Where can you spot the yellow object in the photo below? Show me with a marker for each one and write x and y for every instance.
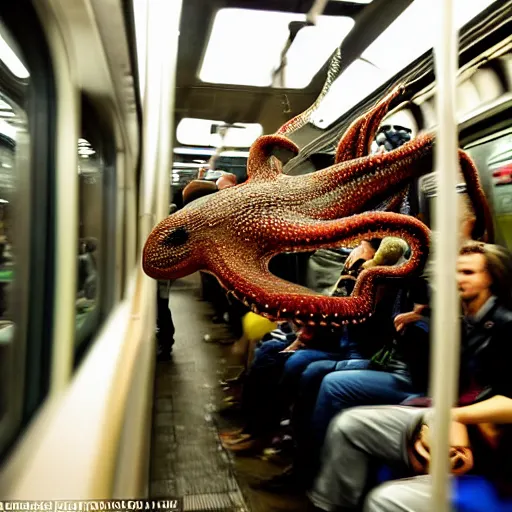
(391, 249)
(256, 326)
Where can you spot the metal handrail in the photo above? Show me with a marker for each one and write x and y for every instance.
(446, 330)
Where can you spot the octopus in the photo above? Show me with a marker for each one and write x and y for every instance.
(234, 233)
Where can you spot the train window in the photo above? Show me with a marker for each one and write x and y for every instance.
(493, 158)
(96, 226)
(90, 206)
(14, 160)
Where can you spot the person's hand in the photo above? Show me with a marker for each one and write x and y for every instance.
(404, 319)
(293, 347)
(363, 251)
(460, 453)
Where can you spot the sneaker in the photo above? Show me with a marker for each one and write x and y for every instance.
(243, 444)
(230, 434)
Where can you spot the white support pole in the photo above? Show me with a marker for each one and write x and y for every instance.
(446, 304)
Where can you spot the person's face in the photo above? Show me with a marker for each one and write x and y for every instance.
(473, 279)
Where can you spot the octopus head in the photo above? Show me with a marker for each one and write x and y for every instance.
(169, 250)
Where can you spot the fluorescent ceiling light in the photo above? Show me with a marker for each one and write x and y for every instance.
(140, 16)
(354, 84)
(11, 60)
(210, 152)
(7, 114)
(194, 151)
(311, 48)
(245, 47)
(413, 33)
(354, 1)
(407, 38)
(198, 132)
(4, 105)
(187, 165)
(7, 129)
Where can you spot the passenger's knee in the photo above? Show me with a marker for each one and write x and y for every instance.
(293, 364)
(346, 423)
(381, 499)
(314, 373)
(330, 384)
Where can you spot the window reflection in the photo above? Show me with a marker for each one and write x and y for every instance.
(14, 155)
(89, 232)
(493, 157)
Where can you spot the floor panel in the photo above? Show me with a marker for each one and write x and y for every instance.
(187, 459)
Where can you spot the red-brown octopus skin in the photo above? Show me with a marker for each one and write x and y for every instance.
(234, 233)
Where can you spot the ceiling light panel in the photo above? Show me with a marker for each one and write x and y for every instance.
(11, 60)
(311, 49)
(209, 152)
(7, 129)
(245, 47)
(411, 35)
(198, 132)
(414, 33)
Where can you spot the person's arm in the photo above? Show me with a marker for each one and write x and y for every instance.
(294, 346)
(403, 319)
(497, 410)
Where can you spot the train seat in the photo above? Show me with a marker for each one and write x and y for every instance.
(471, 493)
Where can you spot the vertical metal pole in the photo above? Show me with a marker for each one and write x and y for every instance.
(446, 304)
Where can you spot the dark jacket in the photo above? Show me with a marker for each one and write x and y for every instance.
(486, 353)
(486, 357)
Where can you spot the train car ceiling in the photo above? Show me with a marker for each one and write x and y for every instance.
(257, 58)
(481, 40)
(398, 46)
(211, 52)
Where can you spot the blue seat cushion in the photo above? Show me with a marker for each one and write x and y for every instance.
(471, 493)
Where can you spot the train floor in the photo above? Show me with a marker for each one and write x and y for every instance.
(187, 459)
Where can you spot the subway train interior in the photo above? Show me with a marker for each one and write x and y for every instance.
(122, 381)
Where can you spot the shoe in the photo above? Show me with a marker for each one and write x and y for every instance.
(236, 439)
(229, 434)
(244, 444)
(285, 482)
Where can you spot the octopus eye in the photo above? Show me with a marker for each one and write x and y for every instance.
(177, 237)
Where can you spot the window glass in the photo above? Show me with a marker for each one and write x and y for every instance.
(14, 157)
(90, 215)
(493, 158)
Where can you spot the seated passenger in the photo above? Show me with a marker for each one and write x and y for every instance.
(358, 437)
(386, 378)
(272, 380)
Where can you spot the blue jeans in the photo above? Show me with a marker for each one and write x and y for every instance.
(273, 379)
(342, 390)
(306, 455)
(300, 361)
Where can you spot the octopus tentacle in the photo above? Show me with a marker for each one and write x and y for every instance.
(371, 177)
(261, 164)
(278, 299)
(484, 227)
(357, 139)
(301, 119)
(235, 232)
